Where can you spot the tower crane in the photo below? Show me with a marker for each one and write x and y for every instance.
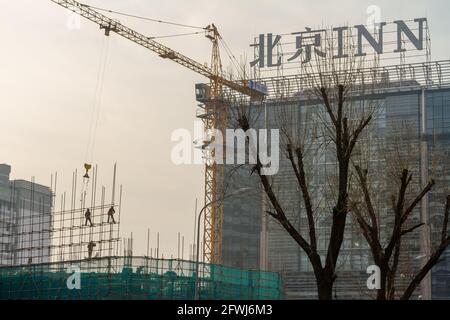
(215, 110)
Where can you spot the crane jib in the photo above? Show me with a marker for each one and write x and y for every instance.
(252, 89)
(111, 25)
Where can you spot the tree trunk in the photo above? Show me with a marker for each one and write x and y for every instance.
(381, 294)
(325, 291)
(324, 288)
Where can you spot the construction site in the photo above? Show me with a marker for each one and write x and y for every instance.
(46, 236)
(69, 245)
(44, 244)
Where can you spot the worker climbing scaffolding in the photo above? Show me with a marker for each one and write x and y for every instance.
(111, 213)
(87, 216)
(91, 246)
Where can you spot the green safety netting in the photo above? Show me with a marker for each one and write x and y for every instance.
(137, 278)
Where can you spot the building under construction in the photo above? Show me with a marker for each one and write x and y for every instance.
(135, 278)
(83, 228)
(47, 249)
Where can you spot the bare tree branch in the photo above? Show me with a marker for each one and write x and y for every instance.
(445, 223)
(401, 217)
(306, 198)
(368, 201)
(433, 260)
(425, 269)
(362, 125)
(405, 232)
(416, 201)
(326, 101)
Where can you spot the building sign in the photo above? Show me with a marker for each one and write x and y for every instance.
(401, 38)
(259, 87)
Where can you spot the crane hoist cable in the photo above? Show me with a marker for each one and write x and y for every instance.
(99, 94)
(240, 69)
(178, 35)
(145, 18)
(113, 25)
(231, 56)
(95, 112)
(92, 133)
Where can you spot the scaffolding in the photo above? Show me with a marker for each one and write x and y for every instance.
(376, 78)
(37, 229)
(135, 278)
(53, 243)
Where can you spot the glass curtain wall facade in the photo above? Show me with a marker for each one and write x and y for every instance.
(411, 129)
(25, 221)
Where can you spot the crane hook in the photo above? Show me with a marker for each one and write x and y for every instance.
(87, 167)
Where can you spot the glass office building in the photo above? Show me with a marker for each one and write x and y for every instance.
(410, 129)
(25, 221)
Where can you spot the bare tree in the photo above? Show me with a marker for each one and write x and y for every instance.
(332, 84)
(387, 256)
(390, 235)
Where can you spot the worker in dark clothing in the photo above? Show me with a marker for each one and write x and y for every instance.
(111, 213)
(91, 246)
(87, 215)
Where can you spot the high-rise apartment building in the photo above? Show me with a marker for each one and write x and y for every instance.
(25, 220)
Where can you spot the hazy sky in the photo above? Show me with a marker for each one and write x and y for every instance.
(49, 74)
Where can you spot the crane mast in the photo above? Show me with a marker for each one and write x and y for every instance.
(215, 109)
(215, 118)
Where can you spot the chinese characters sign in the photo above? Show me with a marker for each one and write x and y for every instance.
(304, 46)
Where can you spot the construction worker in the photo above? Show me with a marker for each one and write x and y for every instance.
(87, 215)
(111, 213)
(91, 246)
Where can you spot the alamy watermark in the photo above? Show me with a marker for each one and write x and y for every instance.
(373, 17)
(236, 147)
(73, 21)
(74, 280)
(374, 280)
